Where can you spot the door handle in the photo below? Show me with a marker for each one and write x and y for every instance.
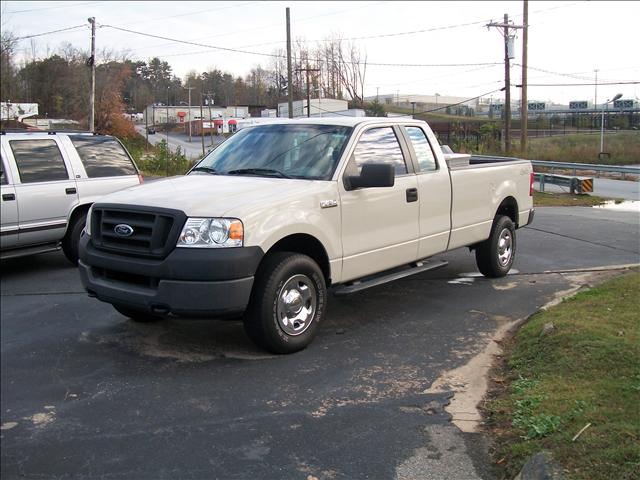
(71, 191)
(7, 197)
(412, 195)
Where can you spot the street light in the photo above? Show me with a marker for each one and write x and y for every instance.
(602, 153)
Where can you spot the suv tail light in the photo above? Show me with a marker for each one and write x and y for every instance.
(532, 179)
(140, 178)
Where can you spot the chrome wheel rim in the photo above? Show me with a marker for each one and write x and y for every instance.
(297, 303)
(505, 247)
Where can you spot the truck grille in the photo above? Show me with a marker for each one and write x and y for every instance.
(145, 232)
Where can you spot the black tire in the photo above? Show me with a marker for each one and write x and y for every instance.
(273, 320)
(71, 241)
(495, 255)
(137, 315)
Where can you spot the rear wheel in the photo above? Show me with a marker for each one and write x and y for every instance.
(137, 315)
(495, 255)
(287, 303)
(71, 241)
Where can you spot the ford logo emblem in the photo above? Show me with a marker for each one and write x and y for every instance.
(123, 230)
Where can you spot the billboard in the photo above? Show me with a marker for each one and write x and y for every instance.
(578, 105)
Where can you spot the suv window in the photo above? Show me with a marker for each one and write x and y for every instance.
(103, 156)
(378, 145)
(39, 161)
(426, 158)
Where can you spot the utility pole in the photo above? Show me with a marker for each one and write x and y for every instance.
(190, 88)
(289, 71)
(524, 111)
(202, 123)
(595, 97)
(506, 27)
(307, 70)
(92, 59)
(210, 117)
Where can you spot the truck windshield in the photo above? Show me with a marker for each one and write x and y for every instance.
(282, 150)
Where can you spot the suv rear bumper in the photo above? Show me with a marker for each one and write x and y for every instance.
(188, 282)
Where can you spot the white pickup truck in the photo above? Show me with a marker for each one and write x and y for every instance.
(270, 219)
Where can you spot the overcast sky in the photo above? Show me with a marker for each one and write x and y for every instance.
(568, 40)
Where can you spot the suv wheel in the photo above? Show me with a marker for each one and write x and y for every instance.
(287, 303)
(71, 241)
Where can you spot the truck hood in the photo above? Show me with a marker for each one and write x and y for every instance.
(212, 195)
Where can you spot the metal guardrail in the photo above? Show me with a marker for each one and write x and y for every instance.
(573, 167)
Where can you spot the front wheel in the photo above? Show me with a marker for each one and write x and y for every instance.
(287, 303)
(495, 255)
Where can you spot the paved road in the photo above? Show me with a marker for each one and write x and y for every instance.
(88, 394)
(193, 149)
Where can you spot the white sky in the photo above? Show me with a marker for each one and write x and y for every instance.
(568, 38)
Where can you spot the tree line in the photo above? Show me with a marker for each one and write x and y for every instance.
(60, 82)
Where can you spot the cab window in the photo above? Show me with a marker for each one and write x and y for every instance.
(378, 145)
(424, 153)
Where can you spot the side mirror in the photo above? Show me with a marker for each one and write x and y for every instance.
(373, 175)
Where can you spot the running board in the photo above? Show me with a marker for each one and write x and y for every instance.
(417, 267)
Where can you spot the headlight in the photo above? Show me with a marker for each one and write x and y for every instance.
(87, 226)
(211, 233)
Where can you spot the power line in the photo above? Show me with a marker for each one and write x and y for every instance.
(579, 84)
(51, 32)
(186, 42)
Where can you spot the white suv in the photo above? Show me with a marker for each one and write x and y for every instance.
(48, 182)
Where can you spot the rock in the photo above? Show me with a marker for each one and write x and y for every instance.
(541, 466)
(548, 329)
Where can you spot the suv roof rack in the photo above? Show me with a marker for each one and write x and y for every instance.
(48, 132)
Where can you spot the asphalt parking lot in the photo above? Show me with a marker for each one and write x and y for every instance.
(88, 394)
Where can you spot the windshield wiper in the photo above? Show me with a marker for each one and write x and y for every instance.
(210, 170)
(258, 171)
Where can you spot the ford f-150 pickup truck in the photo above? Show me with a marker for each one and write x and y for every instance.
(269, 220)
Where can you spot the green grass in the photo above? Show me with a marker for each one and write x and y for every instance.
(624, 148)
(586, 371)
(547, 199)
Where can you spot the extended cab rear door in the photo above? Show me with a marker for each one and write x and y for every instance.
(380, 224)
(434, 189)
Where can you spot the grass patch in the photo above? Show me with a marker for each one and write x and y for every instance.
(624, 148)
(586, 371)
(547, 199)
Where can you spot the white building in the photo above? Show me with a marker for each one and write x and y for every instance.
(320, 107)
(157, 114)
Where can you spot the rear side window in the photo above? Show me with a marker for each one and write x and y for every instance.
(426, 158)
(379, 145)
(103, 156)
(39, 161)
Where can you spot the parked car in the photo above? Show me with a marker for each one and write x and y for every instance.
(270, 219)
(48, 182)
(151, 130)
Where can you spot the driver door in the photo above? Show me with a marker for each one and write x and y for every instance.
(379, 224)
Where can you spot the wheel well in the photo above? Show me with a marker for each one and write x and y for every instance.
(509, 207)
(307, 245)
(77, 212)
